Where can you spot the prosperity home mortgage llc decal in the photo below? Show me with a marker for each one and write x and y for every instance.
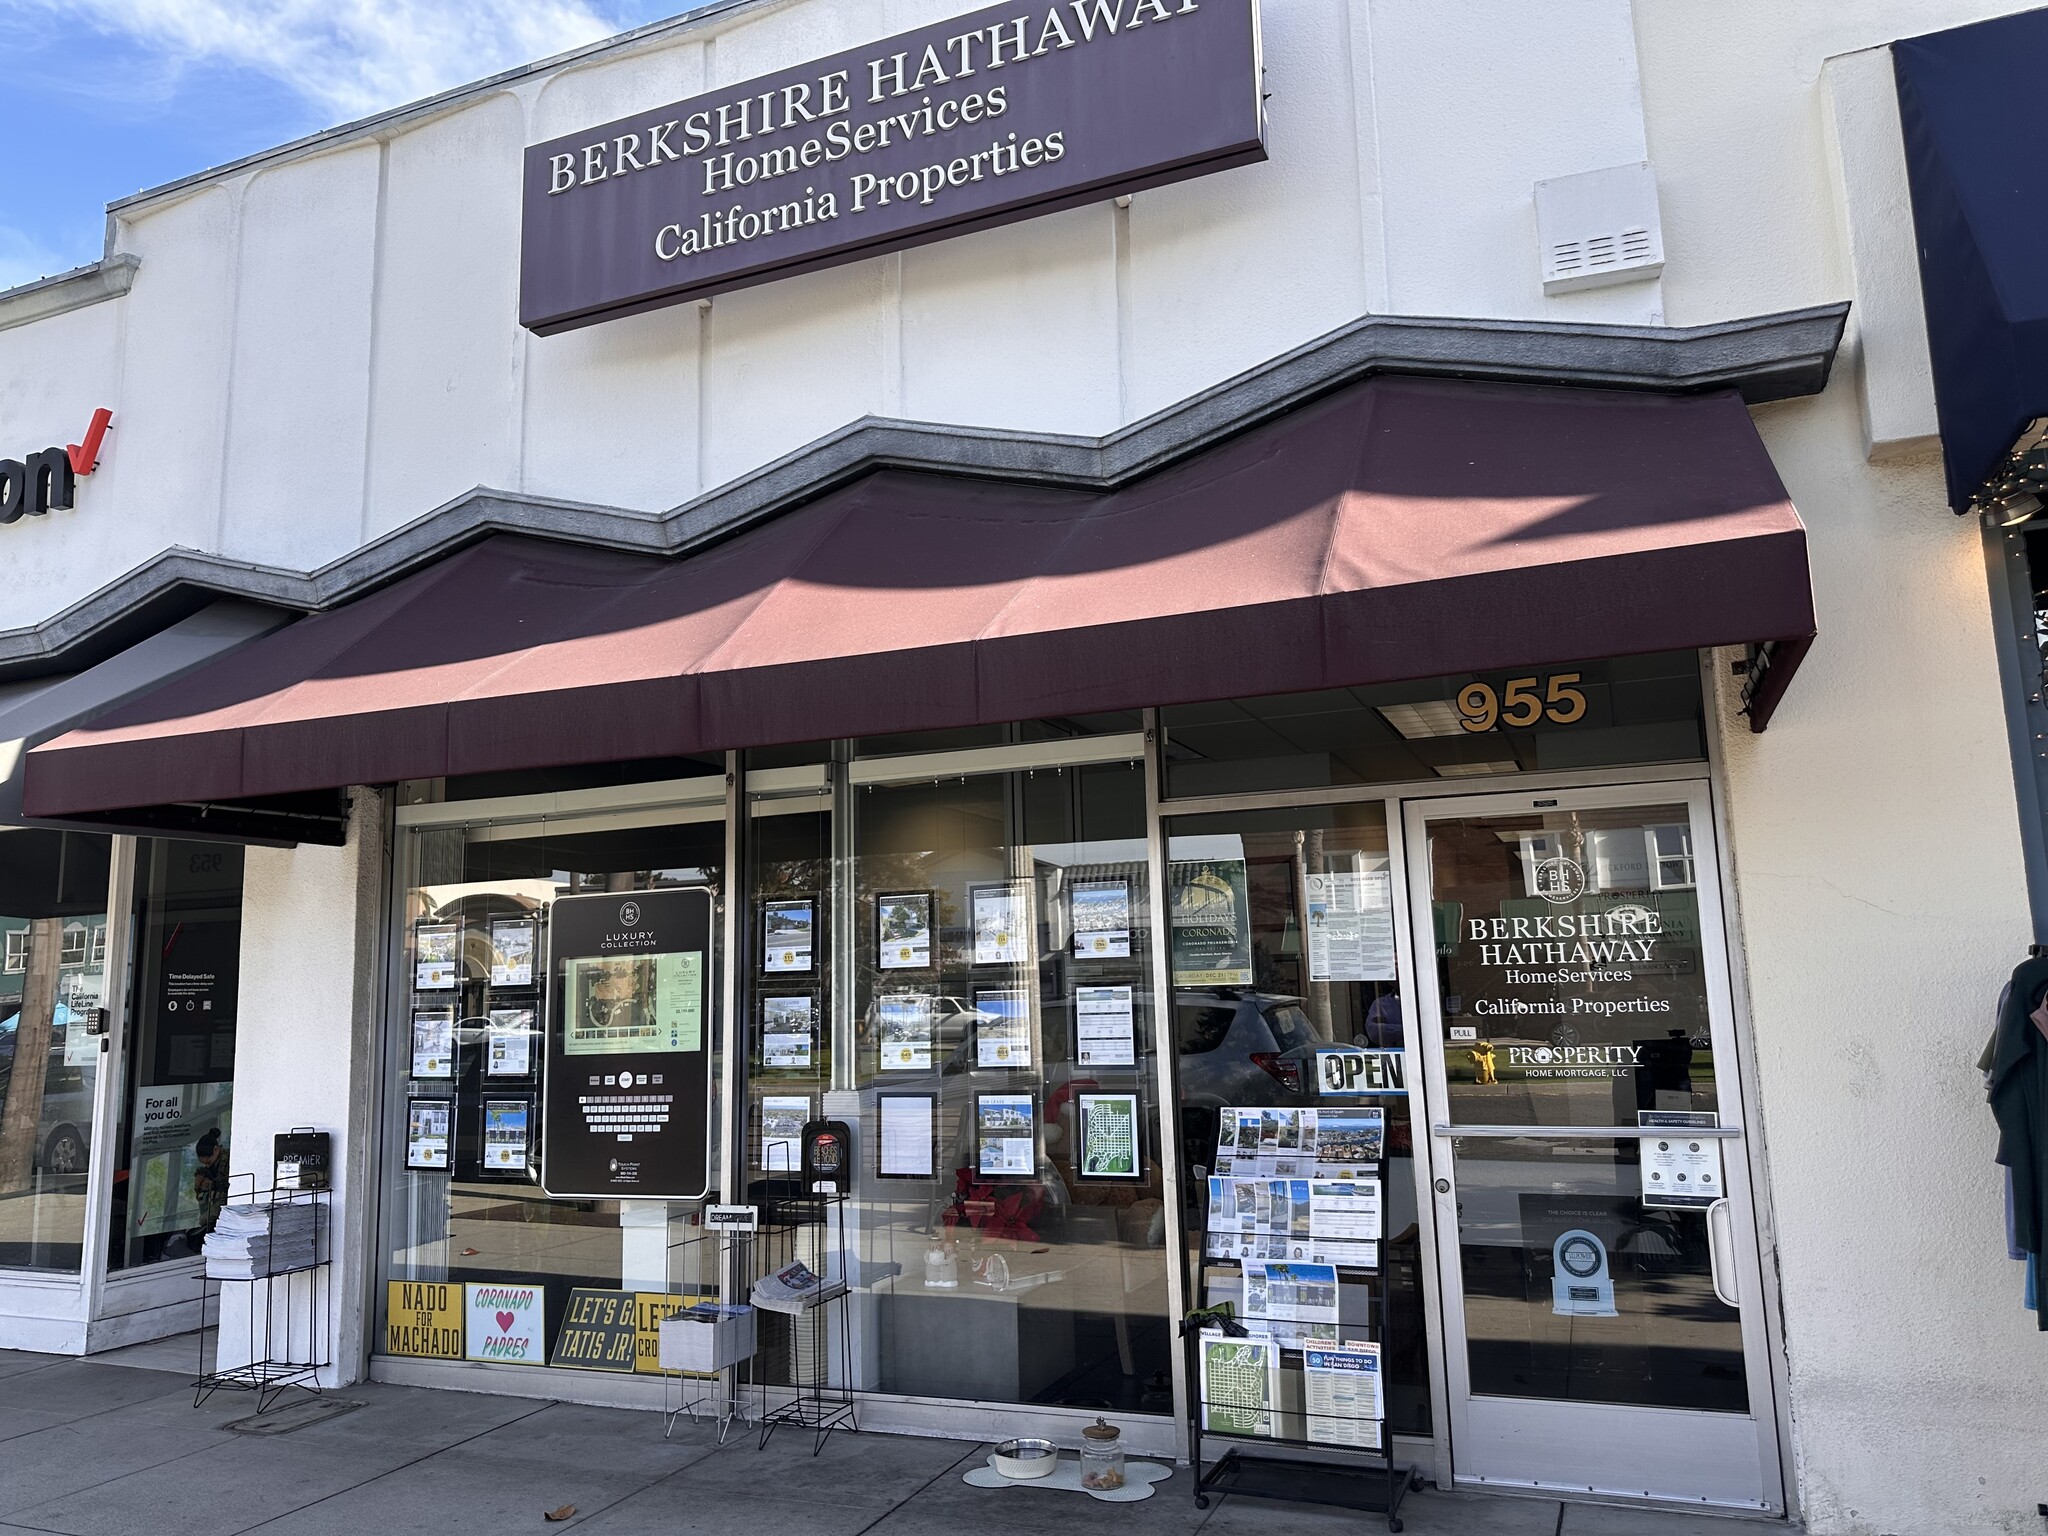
(897, 100)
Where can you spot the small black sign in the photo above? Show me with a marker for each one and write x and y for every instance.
(828, 1157)
(301, 1157)
(628, 1098)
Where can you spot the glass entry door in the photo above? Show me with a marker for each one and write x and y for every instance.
(1603, 1319)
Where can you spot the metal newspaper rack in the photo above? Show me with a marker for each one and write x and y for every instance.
(1344, 1475)
(286, 1307)
(790, 1355)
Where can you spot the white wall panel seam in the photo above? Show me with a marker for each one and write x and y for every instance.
(377, 255)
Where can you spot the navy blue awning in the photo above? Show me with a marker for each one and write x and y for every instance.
(1970, 104)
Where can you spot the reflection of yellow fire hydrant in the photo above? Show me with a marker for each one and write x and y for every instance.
(1482, 1058)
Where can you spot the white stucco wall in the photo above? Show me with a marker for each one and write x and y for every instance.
(323, 348)
(1882, 901)
(304, 1051)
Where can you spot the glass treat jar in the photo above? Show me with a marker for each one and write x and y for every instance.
(1102, 1456)
(941, 1267)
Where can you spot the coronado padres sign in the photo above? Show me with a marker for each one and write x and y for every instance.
(991, 117)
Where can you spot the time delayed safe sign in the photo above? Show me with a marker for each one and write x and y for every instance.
(990, 117)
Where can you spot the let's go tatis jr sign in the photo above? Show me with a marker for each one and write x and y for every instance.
(999, 115)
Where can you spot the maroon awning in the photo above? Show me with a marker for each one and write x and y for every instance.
(1400, 528)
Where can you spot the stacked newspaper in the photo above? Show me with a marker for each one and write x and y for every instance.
(793, 1288)
(252, 1241)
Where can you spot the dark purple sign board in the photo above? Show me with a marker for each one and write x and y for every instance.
(995, 116)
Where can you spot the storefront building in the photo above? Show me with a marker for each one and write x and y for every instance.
(1030, 581)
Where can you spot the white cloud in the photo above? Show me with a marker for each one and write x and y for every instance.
(351, 57)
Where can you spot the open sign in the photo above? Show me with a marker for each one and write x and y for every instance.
(1341, 1070)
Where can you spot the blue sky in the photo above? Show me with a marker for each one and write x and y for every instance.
(106, 97)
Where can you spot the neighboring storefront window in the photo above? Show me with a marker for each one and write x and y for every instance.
(53, 910)
(1589, 714)
(177, 1114)
(1011, 1207)
(482, 1264)
(1284, 948)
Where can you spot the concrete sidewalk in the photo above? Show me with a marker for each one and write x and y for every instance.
(90, 1449)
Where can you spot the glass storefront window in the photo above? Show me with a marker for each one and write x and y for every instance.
(481, 1263)
(1570, 966)
(1540, 919)
(177, 1114)
(1631, 709)
(1009, 1201)
(1284, 944)
(790, 952)
(53, 911)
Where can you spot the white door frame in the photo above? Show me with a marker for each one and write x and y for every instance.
(1735, 1460)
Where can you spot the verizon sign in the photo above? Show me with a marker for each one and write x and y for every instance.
(995, 116)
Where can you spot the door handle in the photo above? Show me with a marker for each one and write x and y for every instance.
(1721, 1251)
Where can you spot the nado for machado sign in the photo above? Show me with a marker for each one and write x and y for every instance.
(999, 115)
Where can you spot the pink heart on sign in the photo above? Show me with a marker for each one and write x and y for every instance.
(505, 1322)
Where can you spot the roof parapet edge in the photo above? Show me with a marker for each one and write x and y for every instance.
(108, 278)
(1764, 358)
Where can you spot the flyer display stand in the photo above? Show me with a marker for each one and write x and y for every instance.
(274, 1245)
(817, 1316)
(722, 1391)
(781, 1293)
(1285, 1401)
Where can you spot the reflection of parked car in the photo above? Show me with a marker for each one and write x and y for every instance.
(65, 1132)
(952, 1024)
(1244, 1048)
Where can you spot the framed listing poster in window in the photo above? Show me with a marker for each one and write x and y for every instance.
(1099, 912)
(515, 943)
(903, 1031)
(789, 1032)
(429, 1135)
(626, 1101)
(508, 1138)
(1002, 1027)
(783, 1118)
(436, 957)
(908, 1144)
(1005, 1135)
(1109, 1134)
(903, 931)
(509, 1044)
(789, 936)
(433, 1042)
(1002, 923)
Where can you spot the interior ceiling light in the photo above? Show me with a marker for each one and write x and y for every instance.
(2012, 493)
(1474, 770)
(1419, 722)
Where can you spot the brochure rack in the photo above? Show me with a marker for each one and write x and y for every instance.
(814, 1404)
(1254, 1465)
(737, 1393)
(286, 1308)
(742, 1393)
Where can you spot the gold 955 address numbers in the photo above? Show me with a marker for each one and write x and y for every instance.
(1521, 702)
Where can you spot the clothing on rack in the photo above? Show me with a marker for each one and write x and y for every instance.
(2017, 1086)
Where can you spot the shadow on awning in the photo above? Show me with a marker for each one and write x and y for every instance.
(1399, 528)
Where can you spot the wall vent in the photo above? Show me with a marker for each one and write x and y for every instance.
(1599, 227)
